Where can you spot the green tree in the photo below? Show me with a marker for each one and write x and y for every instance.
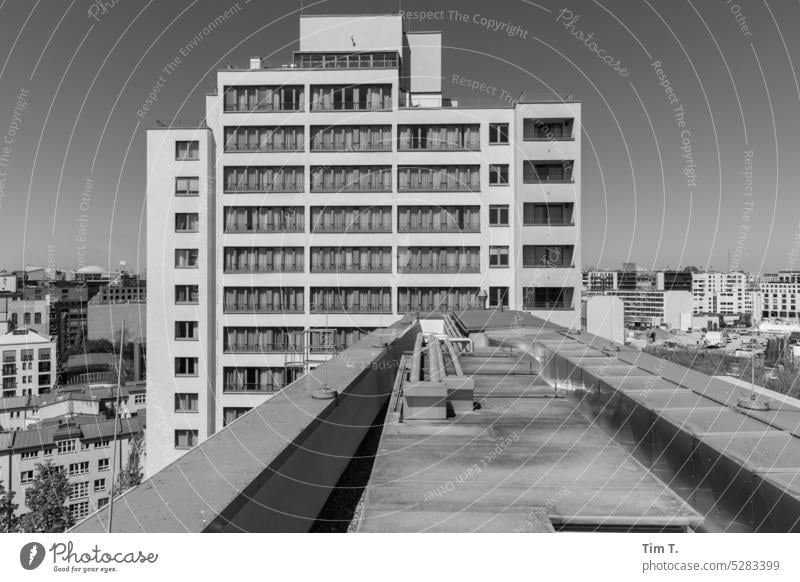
(8, 517)
(132, 474)
(46, 499)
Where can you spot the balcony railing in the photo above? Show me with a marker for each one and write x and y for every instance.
(349, 106)
(250, 387)
(261, 108)
(441, 147)
(263, 309)
(352, 309)
(9, 370)
(381, 147)
(351, 269)
(244, 228)
(261, 349)
(265, 269)
(571, 223)
(351, 229)
(550, 305)
(262, 149)
(263, 190)
(548, 265)
(435, 270)
(350, 188)
(439, 228)
(439, 188)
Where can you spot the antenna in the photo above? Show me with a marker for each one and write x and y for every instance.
(116, 426)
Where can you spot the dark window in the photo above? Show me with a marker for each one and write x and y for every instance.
(498, 175)
(498, 296)
(498, 215)
(498, 256)
(187, 150)
(498, 133)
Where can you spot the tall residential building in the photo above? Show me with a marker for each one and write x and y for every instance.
(332, 195)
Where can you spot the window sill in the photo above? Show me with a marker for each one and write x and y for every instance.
(186, 375)
(187, 412)
(499, 267)
(550, 224)
(544, 139)
(499, 225)
(499, 143)
(187, 339)
(498, 185)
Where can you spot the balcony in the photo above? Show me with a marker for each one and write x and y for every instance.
(351, 188)
(248, 388)
(264, 269)
(442, 270)
(378, 147)
(351, 269)
(259, 189)
(249, 228)
(439, 188)
(262, 149)
(350, 229)
(369, 309)
(450, 228)
(280, 348)
(233, 309)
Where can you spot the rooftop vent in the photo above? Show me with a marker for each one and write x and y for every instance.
(255, 62)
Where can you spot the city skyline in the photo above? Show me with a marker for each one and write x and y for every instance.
(77, 82)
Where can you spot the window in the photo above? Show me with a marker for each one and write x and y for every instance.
(44, 380)
(185, 330)
(186, 366)
(29, 454)
(26, 477)
(79, 490)
(498, 215)
(351, 97)
(139, 398)
(47, 452)
(187, 150)
(498, 296)
(85, 446)
(37, 318)
(186, 258)
(185, 439)
(498, 174)
(102, 502)
(498, 256)
(26, 355)
(187, 222)
(187, 402)
(498, 133)
(79, 468)
(102, 465)
(535, 214)
(187, 294)
(187, 186)
(99, 485)
(79, 510)
(229, 414)
(65, 446)
(264, 98)
(102, 444)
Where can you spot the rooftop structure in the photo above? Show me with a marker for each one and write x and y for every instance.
(543, 429)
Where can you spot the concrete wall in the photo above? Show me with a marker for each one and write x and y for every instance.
(604, 317)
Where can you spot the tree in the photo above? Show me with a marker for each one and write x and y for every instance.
(46, 499)
(8, 517)
(132, 474)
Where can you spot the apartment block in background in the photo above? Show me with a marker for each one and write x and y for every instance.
(330, 196)
(28, 363)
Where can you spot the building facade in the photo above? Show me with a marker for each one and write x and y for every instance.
(329, 197)
(723, 293)
(28, 363)
(780, 295)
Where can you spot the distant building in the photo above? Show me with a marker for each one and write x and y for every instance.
(17, 312)
(780, 295)
(28, 363)
(677, 281)
(113, 304)
(652, 308)
(723, 293)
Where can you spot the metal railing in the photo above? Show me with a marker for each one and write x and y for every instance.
(439, 228)
(262, 309)
(265, 269)
(351, 229)
(351, 269)
(234, 148)
(445, 269)
(263, 189)
(250, 387)
(241, 228)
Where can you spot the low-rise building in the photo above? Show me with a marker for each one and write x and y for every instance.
(82, 447)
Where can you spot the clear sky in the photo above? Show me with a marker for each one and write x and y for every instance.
(660, 187)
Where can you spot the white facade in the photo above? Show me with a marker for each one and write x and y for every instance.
(779, 295)
(28, 363)
(345, 208)
(722, 293)
(647, 308)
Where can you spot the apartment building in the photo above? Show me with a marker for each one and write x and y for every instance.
(19, 312)
(653, 308)
(779, 293)
(28, 363)
(330, 196)
(723, 293)
(82, 447)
